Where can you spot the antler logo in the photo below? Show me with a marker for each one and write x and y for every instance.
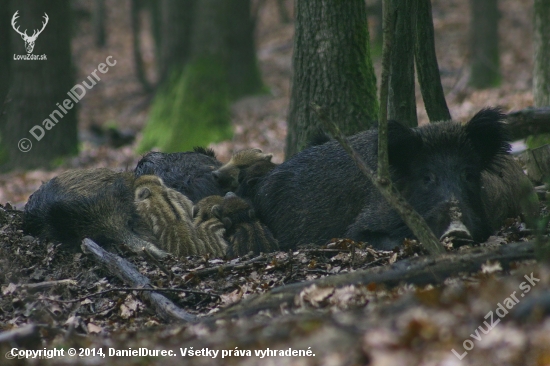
(29, 41)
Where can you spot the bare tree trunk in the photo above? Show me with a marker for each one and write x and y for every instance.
(484, 44)
(175, 39)
(192, 106)
(426, 65)
(388, 19)
(332, 68)
(155, 16)
(5, 50)
(39, 87)
(99, 23)
(541, 74)
(283, 12)
(136, 46)
(402, 102)
(243, 73)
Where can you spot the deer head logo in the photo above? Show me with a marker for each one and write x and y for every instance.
(29, 40)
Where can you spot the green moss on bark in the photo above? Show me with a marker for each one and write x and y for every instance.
(202, 116)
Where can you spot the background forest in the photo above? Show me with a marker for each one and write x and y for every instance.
(168, 75)
(130, 96)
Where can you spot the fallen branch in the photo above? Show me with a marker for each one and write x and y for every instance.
(528, 121)
(130, 289)
(418, 271)
(129, 274)
(220, 269)
(46, 284)
(18, 334)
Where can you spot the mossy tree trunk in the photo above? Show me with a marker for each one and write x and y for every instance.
(175, 36)
(38, 86)
(155, 16)
(402, 101)
(426, 65)
(135, 7)
(332, 68)
(5, 34)
(484, 51)
(191, 108)
(541, 74)
(243, 72)
(98, 19)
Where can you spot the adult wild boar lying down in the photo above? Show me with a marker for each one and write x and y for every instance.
(440, 168)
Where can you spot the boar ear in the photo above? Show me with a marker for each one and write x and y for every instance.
(403, 144)
(227, 222)
(195, 211)
(489, 135)
(143, 193)
(216, 211)
(267, 157)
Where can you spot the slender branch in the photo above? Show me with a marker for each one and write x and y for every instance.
(426, 65)
(388, 17)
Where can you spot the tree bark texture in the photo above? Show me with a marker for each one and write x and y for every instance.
(175, 39)
(155, 14)
(243, 73)
(136, 45)
(5, 34)
(98, 20)
(484, 44)
(388, 16)
(332, 68)
(210, 30)
(426, 65)
(402, 101)
(284, 17)
(541, 73)
(37, 86)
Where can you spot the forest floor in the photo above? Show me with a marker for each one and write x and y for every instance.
(357, 324)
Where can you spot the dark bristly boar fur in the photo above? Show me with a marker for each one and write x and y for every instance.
(320, 194)
(89, 203)
(209, 228)
(244, 232)
(227, 176)
(168, 214)
(189, 173)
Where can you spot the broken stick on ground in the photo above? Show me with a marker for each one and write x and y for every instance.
(129, 274)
